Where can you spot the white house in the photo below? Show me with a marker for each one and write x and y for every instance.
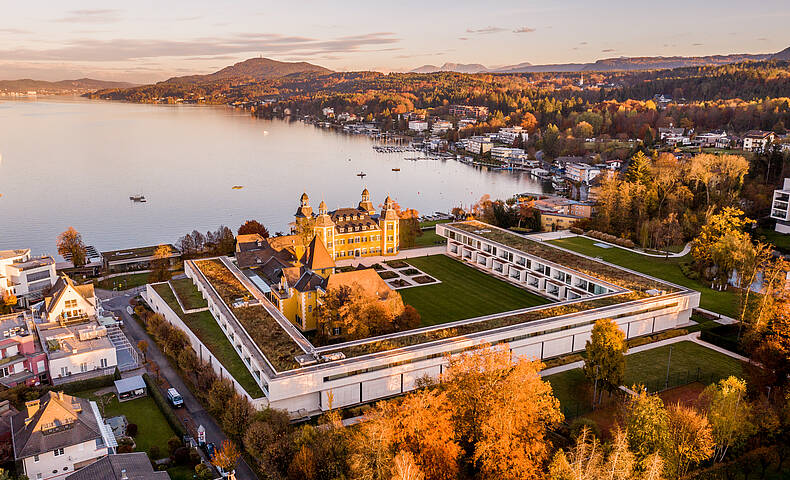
(506, 153)
(508, 135)
(709, 139)
(757, 140)
(479, 145)
(581, 172)
(328, 112)
(441, 126)
(24, 276)
(780, 208)
(58, 434)
(73, 339)
(418, 125)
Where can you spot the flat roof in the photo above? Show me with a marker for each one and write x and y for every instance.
(138, 252)
(130, 384)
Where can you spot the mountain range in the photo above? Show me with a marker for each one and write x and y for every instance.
(608, 64)
(81, 85)
(254, 69)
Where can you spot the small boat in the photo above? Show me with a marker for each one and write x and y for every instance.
(361, 174)
(396, 169)
(237, 187)
(137, 198)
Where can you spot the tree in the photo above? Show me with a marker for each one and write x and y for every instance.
(529, 122)
(161, 264)
(604, 358)
(583, 130)
(358, 314)
(646, 422)
(235, 417)
(502, 412)
(142, 345)
(665, 178)
(226, 456)
(305, 229)
(252, 227)
(188, 361)
(689, 439)
(408, 319)
(729, 414)
(550, 141)
(70, 245)
(638, 169)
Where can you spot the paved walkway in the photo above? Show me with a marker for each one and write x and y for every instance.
(410, 253)
(691, 337)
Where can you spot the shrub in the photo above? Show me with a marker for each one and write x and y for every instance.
(203, 472)
(688, 270)
(577, 230)
(194, 456)
(154, 453)
(173, 444)
(131, 429)
(125, 445)
(181, 456)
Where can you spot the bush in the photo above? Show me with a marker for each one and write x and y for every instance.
(154, 453)
(131, 429)
(675, 332)
(688, 270)
(563, 360)
(581, 422)
(577, 230)
(88, 384)
(723, 337)
(125, 445)
(203, 472)
(194, 456)
(174, 422)
(181, 455)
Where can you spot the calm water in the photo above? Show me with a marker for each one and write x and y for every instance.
(73, 162)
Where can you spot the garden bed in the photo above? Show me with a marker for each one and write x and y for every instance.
(388, 275)
(399, 283)
(411, 272)
(397, 264)
(423, 279)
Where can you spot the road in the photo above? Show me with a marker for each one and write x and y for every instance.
(199, 415)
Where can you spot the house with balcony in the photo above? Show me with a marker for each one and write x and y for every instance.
(22, 359)
(780, 207)
(58, 434)
(25, 276)
(479, 145)
(581, 172)
(76, 343)
(757, 140)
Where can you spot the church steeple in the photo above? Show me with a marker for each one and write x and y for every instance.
(366, 205)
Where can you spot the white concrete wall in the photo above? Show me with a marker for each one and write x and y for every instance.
(62, 465)
(92, 358)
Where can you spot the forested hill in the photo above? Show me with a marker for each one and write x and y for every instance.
(254, 69)
(63, 86)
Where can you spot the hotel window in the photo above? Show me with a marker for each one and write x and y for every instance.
(58, 452)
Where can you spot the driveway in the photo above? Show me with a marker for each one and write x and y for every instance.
(196, 413)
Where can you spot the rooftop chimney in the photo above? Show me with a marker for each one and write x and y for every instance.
(123, 474)
(32, 407)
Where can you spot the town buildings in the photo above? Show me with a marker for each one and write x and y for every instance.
(478, 144)
(581, 172)
(468, 111)
(757, 140)
(305, 379)
(22, 358)
(418, 125)
(58, 434)
(509, 135)
(25, 276)
(140, 258)
(440, 126)
(122, 466)
(780, 207)
(709, 139)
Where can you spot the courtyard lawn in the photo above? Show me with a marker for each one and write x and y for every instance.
(649, 368)
(188, 294)
(667, 269)
(429, 238)
(152, 427)
(463, 293)
(123, 282)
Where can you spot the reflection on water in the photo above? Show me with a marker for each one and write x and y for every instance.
(73, 162)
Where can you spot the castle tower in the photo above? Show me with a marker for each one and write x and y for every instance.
(366, 205)
(304, 210)
(325, 228)
(389, 223)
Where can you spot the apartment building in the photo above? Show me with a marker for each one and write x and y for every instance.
(25, 276)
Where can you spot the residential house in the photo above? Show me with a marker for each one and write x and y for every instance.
(709, 139)
(479, 145)
(581, 172)
(780, 207)
(466, 122)
(471, 111)
(121, 466)
(25, 276)
(757, 140)
(76, 343)
(328, 112)
(558, 213)
(509, 135)
(664, 132)
(725, 142)
(418, 125)
(22, 358)
(441, 126)
(58, 434)
(505, 154)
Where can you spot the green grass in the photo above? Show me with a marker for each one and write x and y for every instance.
(152, 427)
(649, 368)
(779, 240)
(463, 293)
(429, 238)
(123, 282)
(667, 269)
(181, 472)
(433, 223)
(189, 295)
(208, 331)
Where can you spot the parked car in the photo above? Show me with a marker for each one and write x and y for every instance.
(174, 398)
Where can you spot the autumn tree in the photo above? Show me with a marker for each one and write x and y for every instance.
(729, 414)
(360, 314)
(70, 246)
(529, 122)
(160, 265)
(646, 421)
(142, 345)
(604, 359)
(714, 249)
(251, 227)
(226, 456)
(689, 439)
(502, 411)
(638, 170)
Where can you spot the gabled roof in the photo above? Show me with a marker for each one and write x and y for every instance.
(60, 421)
(135, 466)
(62, 285)
(317, 257)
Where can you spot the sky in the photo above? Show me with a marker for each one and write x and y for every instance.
(147, 41)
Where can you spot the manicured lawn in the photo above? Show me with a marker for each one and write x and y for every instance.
(779, 240)
(429, 238)
(433, 223)
(463, 293)
(123, 282)
(649, 368)
(188, 294)
(668, 269)
(209, 332)
(152, 427)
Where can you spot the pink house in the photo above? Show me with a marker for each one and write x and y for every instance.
(22, 359)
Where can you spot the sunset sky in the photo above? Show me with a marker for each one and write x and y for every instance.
(146, 41)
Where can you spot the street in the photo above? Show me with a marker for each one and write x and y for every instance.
(195, 410)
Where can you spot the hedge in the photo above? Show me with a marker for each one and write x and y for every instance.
(714, 336)
(164, 406)
(89, 383)
(607, 237)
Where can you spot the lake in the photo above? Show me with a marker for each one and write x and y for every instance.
(74, 162)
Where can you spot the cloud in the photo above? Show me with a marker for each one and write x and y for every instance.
(486, 30)
(523, 30)
(607, 50)
(99, 15)
(123, 49)
(15, 31)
